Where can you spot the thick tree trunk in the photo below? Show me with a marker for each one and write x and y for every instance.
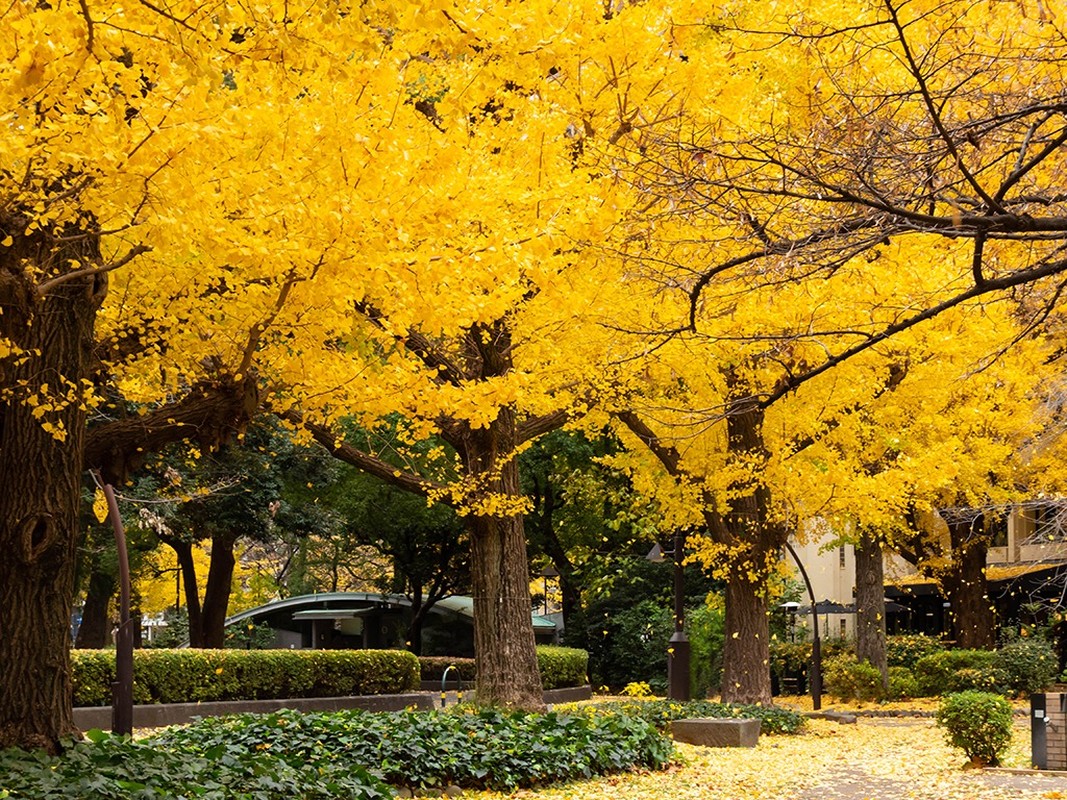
(756, 545)
(505, 656)
(746, 672)
(217, 591)
(870, 603)
(95, 629)
(966, 589)
(40, 472)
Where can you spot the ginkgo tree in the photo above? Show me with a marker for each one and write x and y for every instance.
(337, 211)
(836, 132)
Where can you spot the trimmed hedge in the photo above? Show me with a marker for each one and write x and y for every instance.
(562, 666)
(189, 676)
(432, 668)
(905, 650)
(955, 671)
(773, 719)
(559, 666)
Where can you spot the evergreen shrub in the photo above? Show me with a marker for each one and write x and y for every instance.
(1026, 666)
(189, 676)
(979, 723)
(936, 673)
(849, 679)
(905, 650)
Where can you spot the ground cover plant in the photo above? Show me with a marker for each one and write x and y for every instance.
(488, 748)
(773, 719)
(105, 767)
(349, 755)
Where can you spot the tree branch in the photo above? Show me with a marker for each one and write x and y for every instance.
(339, 449)
(59, 280)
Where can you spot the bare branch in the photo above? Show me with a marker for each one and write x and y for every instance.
(59, 280)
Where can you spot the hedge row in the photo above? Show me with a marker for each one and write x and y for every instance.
(189, 676)
(560, 667)
(1019, 668)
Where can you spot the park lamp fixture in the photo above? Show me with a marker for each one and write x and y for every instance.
(548, 572)
(678, 650)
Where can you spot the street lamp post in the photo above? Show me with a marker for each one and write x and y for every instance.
(548, 572)
(816, 644)
(678, 651)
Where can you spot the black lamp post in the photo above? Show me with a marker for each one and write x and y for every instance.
(678, 650)
(548, 572)
(816, 644)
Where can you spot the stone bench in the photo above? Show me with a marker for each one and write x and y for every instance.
(716, 732)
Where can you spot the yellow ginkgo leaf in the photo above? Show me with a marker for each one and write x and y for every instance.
(100, 505)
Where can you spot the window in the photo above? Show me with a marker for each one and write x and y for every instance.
(1044, 522)
(841, 557)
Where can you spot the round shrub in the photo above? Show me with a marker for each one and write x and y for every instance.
(935, 673)
(979, 723)
(848, 679)
(902, 684)
(907, 649)
(1026, 666)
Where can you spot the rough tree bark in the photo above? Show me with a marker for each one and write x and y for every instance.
(504, 651)
(40, 472)
(870, 603)
(747, 529)
(965, 587)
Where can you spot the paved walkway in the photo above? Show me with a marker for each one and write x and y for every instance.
(902, 779)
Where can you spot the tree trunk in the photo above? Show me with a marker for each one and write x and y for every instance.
(966, 589)
(419, 610)
(746, 673)
(870, 604)
(217, 592)
(756, 545)
(505, 657)
(40, 471)
(95, 629)
(183, 550)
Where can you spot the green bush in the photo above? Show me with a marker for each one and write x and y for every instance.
(907, 649)
(189, 676)
(773, 719)
(559, 666)
(936, 673)
(978, 679)
(979, 723)
(902, 684)
(486, 749)
(849, 679)
(432, 668)
(1026, 666)
(562, 666)
(630, 645)
(707, 631)
(114, 768)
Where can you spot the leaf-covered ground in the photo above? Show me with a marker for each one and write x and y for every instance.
(875, 759)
